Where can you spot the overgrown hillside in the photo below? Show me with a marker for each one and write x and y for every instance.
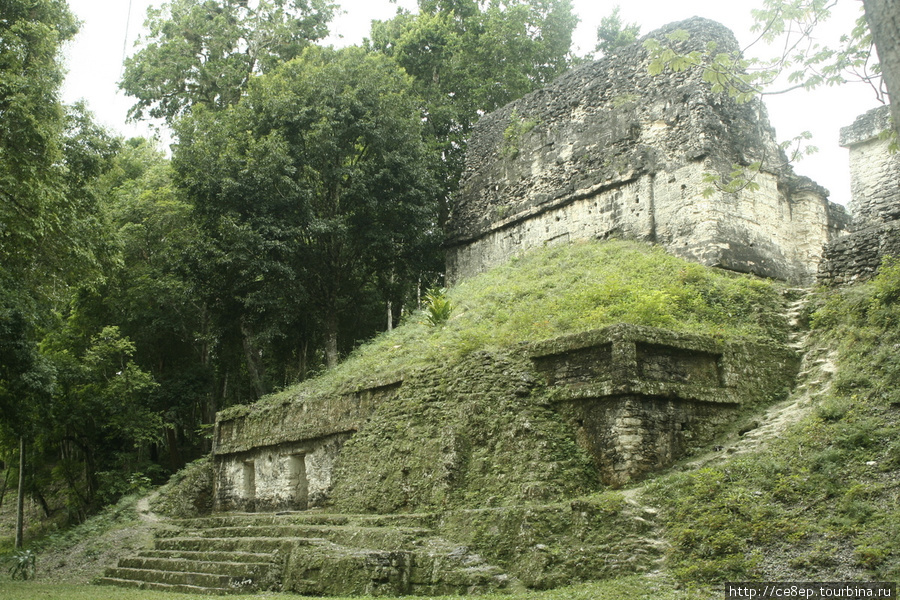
(817, 498)
(821, 501)
(562, 290)
(473, 425)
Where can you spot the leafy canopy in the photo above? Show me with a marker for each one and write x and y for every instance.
(312, 187)
(803, 61)
(205, 51)
(612, 33)
(469, 57)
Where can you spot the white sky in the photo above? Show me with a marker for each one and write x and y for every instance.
(110, 28)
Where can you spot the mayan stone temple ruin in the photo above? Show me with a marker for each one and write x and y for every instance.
(609, 150)
(334, 493)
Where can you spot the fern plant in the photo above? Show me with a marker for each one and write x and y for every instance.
(437, 306)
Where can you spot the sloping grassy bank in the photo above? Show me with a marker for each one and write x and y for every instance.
(822, 502)
(562, 290)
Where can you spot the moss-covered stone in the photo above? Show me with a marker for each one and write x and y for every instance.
(474, 433)
(189, 492)
(546, 546)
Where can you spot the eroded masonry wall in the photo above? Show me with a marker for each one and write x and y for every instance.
(874, 202)
(638, 398)
(281, 455)
(291, 476)
(540, 422)
(609, 150)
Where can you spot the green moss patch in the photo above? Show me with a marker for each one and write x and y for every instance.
(593, 537)
(477, 432)
(188, 493)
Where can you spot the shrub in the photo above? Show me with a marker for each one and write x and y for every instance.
(23, 563)
(437, 307)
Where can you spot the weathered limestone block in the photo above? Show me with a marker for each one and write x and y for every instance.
(291, 419)
(330, 569)
(874, 169)
(609, 150)
(289, 476)
(874, 203)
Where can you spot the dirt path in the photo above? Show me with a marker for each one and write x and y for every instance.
(88, 558)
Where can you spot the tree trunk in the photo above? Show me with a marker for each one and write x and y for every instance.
(5, 485)
(302, 365)
(175, 461)
(883, 17)
(331, 339)
(45, 506)
(254, 365)
(20, 500)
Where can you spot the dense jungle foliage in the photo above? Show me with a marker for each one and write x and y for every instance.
(299, 213)
(299, 216)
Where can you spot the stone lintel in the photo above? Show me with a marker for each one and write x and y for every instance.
(634, 360)
(607, 390)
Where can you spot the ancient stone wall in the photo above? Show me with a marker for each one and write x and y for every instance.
(638, 397)
(293, 476)
(281, 455)
(609, 150)
(874, 203)
(874, 169)
(534, 423)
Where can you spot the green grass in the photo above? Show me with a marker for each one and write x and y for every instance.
(630, 588)
(564, 290)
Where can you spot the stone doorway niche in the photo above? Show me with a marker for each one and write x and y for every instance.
(297, 481)
(249, 483)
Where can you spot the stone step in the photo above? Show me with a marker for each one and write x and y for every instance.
(307, 553)
(190, 555)
(233, 544)
(204, 580)
(436, 568)
(364, 537)
(244, 570)
(414, 520)
(166, 587)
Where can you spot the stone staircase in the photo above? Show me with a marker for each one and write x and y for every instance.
(307, 553)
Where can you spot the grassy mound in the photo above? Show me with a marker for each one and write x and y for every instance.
(561, 290)
(472, 425)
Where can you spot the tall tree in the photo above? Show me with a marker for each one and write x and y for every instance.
(612, 33)
(99, 418)
(149, 295)
(883, 18)
(311, 187)
(34, 211)
(468, 57)
(205, 51)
